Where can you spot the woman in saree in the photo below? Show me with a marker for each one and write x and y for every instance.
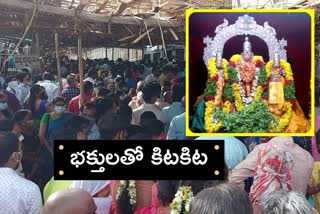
(51, 124)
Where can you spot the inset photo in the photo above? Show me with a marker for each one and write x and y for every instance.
(250, 72)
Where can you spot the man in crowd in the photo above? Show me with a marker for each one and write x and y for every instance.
(18, 195)
(51, 88)
(72, 90)
(74, 105)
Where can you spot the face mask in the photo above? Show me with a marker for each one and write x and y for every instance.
(103, 204)
(3, 106)
(13, 84)
(59, 109)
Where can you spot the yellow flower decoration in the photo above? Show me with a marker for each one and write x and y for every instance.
(287, 69)
(284, 65)
(237, 96)
(235, 58)
(258, 93)
(212, 68)
(284, 119)
(225, 63)
(257, 58)
(226, 107)
(268, 68)
(209, 125)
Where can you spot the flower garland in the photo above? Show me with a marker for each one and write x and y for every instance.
(237, 96)
(284, 120)
(209, 124)
(131, 188)
(181, 202)
(212, 68)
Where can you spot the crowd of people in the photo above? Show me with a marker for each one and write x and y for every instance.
(137, 101)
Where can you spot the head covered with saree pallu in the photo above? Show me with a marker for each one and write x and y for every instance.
(273, 172)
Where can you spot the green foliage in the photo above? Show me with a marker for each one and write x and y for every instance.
(263, 76)
(254, 118)
(289, 91)
(232, 74)
(227, 92)
(210, 89)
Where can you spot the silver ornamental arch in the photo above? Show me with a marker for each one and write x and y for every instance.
(245, 25)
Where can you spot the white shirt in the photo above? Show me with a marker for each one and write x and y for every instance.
(151, 78)
(51, 89)
(18, 195)
(146, 107)
(25, 89)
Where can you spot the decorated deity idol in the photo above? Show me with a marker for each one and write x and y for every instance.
(247, 95)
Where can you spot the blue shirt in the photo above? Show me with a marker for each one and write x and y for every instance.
(177, 129)
(171, 111)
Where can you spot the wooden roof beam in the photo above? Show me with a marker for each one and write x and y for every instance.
(88, 16)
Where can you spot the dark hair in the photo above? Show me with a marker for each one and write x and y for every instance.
(224, 198)
(178, 91)
(153, 127)
(6, 125)
(20, 115)
(31, 100)
(58, 99)
(9, 143)
(21, 76)
(103, 105)
(88, 105)
(72, 126)
(125, 100)
(102, 92)
(147, 115)
(151, 90)
(92, 73)
(167, 190)
(111, 125)
(71, 79)
(125, 113)
(47, 76)
(88, 86)
(123, 202)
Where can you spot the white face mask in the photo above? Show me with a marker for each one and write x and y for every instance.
(59, 109)
(13, 84)
(103, 204)
(3, 106)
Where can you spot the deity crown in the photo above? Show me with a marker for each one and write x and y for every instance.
(246, 44)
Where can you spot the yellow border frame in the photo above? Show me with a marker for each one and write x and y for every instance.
(310, 12)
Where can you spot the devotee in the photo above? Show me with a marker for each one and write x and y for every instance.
(151, 91)
(51, 123)
(5, 112)
(224, 198)
(290, 162)
(30, 143)
(74, 128)
(154, 76)
(13, 102)
(280, 202)
(147, 115)
(177, 105)
(177, 128)
(24, 85)
(74, 103)
(70, 201)
(155, 128)
(92, 75)
(137, 101)
(89, 112)
(12, 86)
(72, 90)
(100, 192)
(18, 195)
(37, 102)
(52, 89)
